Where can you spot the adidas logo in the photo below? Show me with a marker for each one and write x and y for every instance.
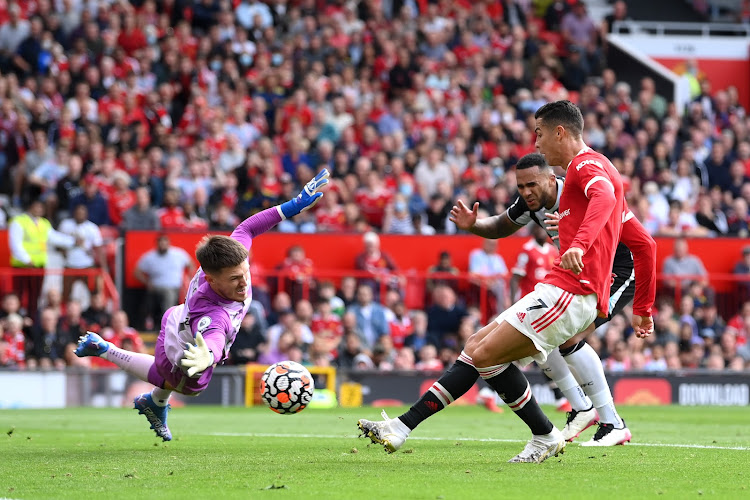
(431, 405)
(521, 316)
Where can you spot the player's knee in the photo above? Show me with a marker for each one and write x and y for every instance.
(482, 357)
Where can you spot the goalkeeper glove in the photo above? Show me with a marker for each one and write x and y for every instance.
(197, 357)
(308, 197)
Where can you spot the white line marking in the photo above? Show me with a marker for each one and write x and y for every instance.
(481, 440)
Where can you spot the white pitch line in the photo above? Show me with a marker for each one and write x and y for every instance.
(481, 440)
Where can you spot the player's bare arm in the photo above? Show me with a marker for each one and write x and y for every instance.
(497, 226)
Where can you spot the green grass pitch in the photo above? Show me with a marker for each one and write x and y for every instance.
(461, 453)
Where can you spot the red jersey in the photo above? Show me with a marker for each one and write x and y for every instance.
(330, 323)
(333, 220)
(533, 264)
(119, 203)
(171, 218)
(400, 329)
(15, 351)
(372, 204)
(592, 208)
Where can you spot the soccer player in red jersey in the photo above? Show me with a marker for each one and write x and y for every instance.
(563, 307)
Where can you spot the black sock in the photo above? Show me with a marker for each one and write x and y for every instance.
(513, 387)
(451, 385)
(558, 393)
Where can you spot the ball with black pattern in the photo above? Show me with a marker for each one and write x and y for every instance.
(286, 387)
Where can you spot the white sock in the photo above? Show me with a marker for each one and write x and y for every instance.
(558, 370)
(134, 363)
(587, 369)
(160, 396)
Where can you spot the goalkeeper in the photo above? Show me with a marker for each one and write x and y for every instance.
(196, 336)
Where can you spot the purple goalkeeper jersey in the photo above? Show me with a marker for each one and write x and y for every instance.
(204, 311)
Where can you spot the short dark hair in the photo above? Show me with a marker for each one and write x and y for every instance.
(532, 160)
(563, 113)
(216, 252)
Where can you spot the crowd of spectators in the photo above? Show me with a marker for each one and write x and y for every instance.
(178, 114)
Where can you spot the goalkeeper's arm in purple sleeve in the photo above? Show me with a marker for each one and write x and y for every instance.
(308, 197)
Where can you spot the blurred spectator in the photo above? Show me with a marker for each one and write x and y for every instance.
(372, 318)
(11, 304)
(296, 273)
(404, 359)
(444, 316)
(71, 326)
(420, 334)
(47, 347)
(121, 199)
(619, 359)
(397, 218)
(142, 216)
(288, 322)
(162, 270)
(428, 359)
(326, 326)
(443, 266)
(97, 315)
(379, 265)
(489, 272)
(437, 213)
(327, 291)
(683, 265)
(94, 201)
(347, 291)
(400, 325)
(29, 236)
(120, 331)
(535, 260)
(350, 348)
(285, 348)
(249, 342)
(13, 343)
(88, 252)
(280, 305)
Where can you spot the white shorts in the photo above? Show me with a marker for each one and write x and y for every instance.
(549, 316)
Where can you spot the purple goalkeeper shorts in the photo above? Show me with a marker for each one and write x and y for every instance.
(163, 371)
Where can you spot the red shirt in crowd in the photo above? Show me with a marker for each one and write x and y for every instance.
(372, 204)
(533, 264)
(171, 217)
(119, 203)
(330, 220)
(14, 353)
(400, 329)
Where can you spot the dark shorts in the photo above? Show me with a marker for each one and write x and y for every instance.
(621, 292)
(164, 372)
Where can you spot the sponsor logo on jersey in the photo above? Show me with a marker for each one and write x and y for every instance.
(564, 213)
(521, 316)
(589, 162)
(203, 323)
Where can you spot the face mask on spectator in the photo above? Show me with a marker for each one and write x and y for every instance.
(406, 189)
(215, 65)
(400, 206)
(277, 59)
(246, 59)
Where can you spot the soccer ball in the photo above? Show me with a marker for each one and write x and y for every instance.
(286, 387)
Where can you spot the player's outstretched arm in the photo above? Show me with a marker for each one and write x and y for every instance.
(643, 248)
(497, 226)
(261, 222)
